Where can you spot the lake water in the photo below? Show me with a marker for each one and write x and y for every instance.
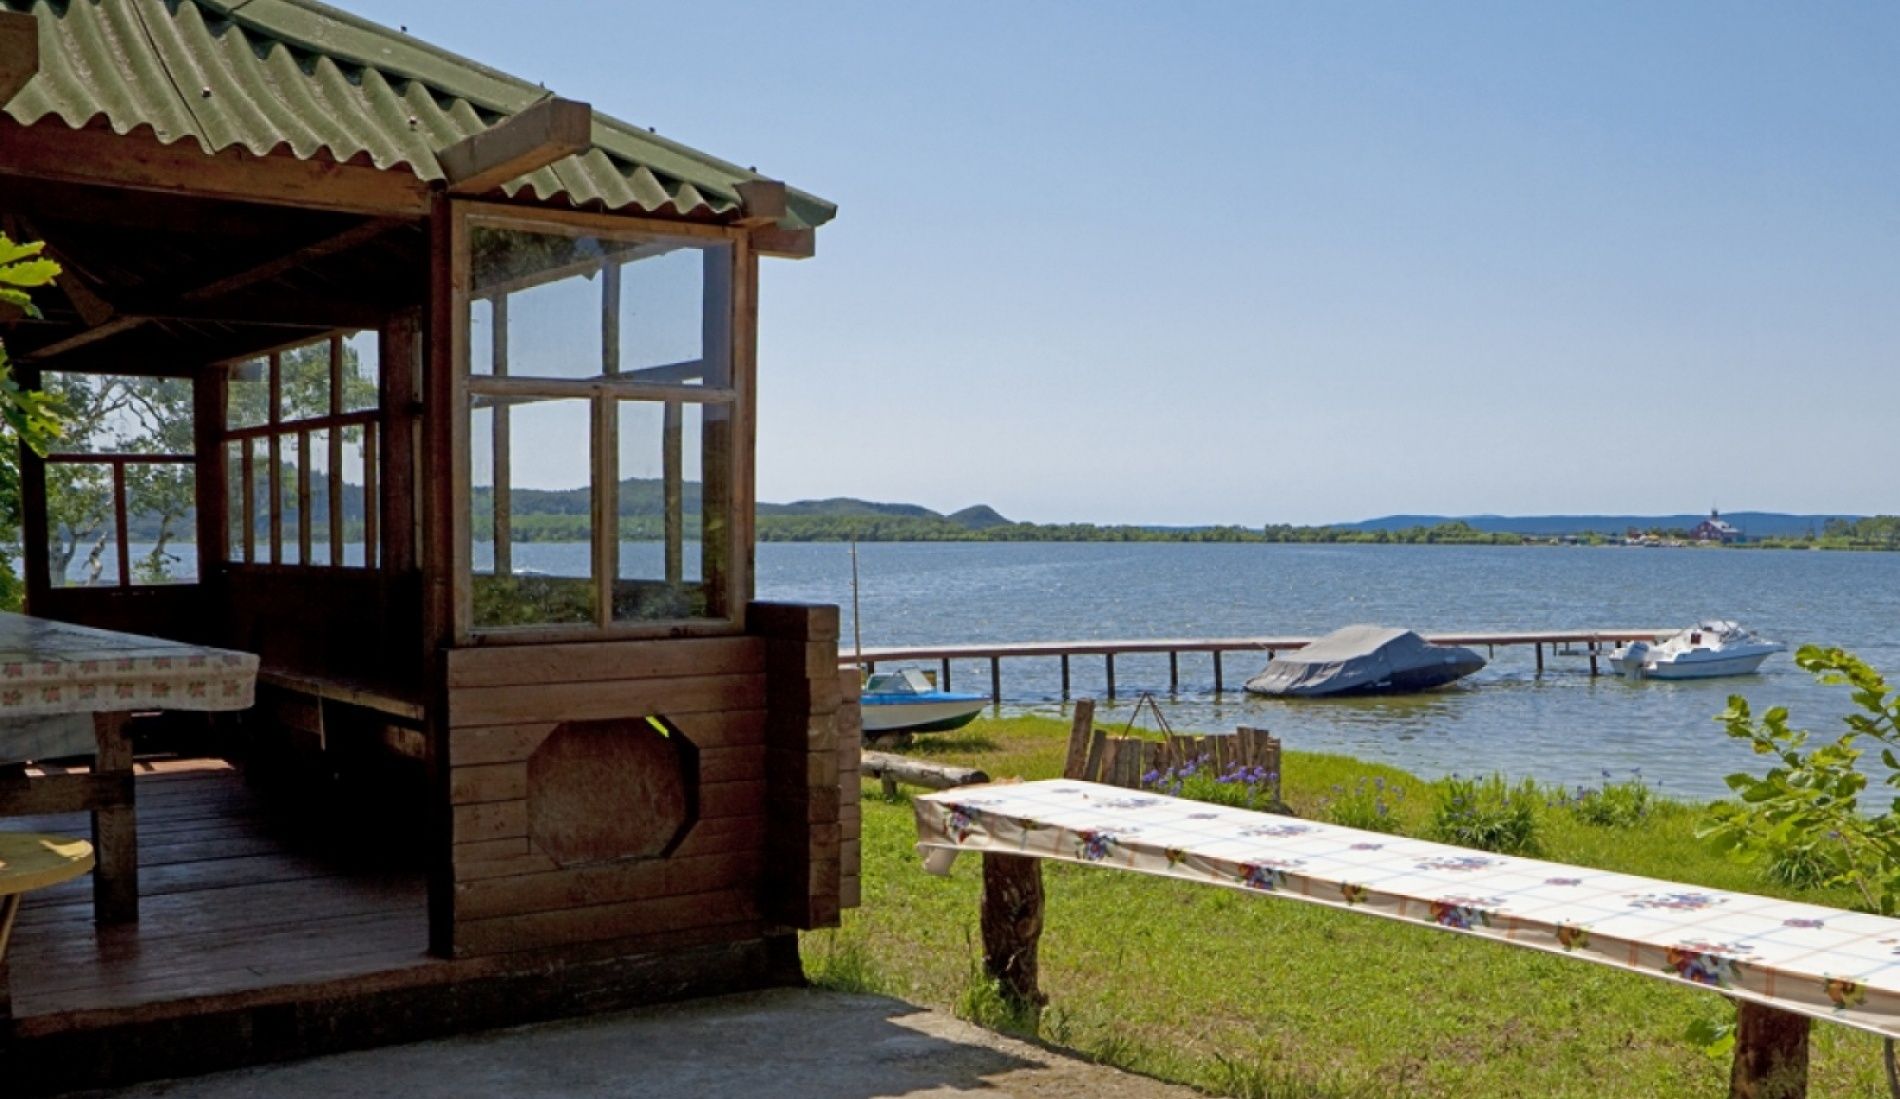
(1563, 726)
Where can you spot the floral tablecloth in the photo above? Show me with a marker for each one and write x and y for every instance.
(1822, 962)
(53, 668)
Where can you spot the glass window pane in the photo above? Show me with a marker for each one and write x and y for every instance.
(304, 376)
(674, 311)
(534, 457)
(234, 500)
(80, 533)
(669, 568)
(160, 522)
(247, 395)
(320, 497)
(545, 305)
(290, 458)
(355, 498)
(260, 500)
(115, 414)
(481, 336)
(362, 372)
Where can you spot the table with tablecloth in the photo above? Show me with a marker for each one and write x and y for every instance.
(1821, 962)
(67, 690)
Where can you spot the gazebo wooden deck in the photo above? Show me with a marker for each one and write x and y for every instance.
(342, 302)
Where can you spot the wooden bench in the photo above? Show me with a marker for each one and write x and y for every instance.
(1816, 966)
(306, 704)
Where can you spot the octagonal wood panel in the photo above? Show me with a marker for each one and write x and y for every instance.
(605, 790)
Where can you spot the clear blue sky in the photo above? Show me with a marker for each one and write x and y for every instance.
(1263, 262)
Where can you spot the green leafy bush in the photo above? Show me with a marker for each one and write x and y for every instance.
(1488, 814)
(1624, 804)
(1370, 805)
(1200, 779)
(1803, 819)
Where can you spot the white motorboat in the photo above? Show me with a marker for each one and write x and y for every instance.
(1706, 650)
(908, 701)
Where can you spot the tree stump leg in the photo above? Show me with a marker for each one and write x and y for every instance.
(1771, 1054)
(1012, 924)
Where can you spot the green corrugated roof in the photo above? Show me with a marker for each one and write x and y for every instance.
(270, 76)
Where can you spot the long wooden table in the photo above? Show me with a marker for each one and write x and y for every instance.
(57, 668)
(1786, 962)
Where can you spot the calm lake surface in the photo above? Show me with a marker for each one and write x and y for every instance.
(1563, 726)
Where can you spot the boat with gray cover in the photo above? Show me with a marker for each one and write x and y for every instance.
(1365, 660)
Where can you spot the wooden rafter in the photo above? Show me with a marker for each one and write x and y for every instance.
(785, 243)
(526, 142)
(19, 52)
(199, 303)
(761, 203)
(138, 163)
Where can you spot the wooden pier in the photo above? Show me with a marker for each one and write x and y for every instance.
(1594, 643)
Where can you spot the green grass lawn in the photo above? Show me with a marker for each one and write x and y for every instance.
(1250, 996)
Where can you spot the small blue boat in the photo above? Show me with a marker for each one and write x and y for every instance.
(908, 701)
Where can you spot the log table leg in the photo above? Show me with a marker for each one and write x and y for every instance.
(1771, 1054)
(1012, 924)
(9, 908)
(115, 835)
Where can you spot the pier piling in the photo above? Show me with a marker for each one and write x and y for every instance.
(1561, 642)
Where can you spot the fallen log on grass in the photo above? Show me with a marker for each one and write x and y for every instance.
(893, 769)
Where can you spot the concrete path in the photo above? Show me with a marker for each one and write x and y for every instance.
(783, 1044)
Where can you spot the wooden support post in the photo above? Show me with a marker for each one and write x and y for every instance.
(1081, 728)
(1109, 662)
(996, 680)
(1593, 658)
(1174, 672)
(1065, 676)
(1012, 925)
(121, 524)
(1771, 1053)
(1218, 685)
(945, 677)
(673, 489)
(1540, 658)
(115, 836)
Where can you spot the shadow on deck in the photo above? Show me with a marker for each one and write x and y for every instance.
(274, 928)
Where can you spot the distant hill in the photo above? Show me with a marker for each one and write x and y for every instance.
(1755, 524)
(980, 517)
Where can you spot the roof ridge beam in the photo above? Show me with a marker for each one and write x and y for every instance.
(548, 131)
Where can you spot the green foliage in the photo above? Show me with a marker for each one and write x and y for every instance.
(1369, 804)
(1202, 780)
(1488, 814)
(533, 600)
(1803, 818)
(1623, 804)
(31, 415)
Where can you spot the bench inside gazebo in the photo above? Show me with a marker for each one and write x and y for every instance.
(332, 301)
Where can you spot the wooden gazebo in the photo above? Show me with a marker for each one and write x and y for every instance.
(554, 761)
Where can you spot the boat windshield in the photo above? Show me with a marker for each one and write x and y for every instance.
(905, 682)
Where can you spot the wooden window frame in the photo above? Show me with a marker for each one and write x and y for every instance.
(276, 432)
(121, 520)
(605, 394)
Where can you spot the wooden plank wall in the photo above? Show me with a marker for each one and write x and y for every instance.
(504, 701)
(804, 803)
(850, 759)
(355, 624)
